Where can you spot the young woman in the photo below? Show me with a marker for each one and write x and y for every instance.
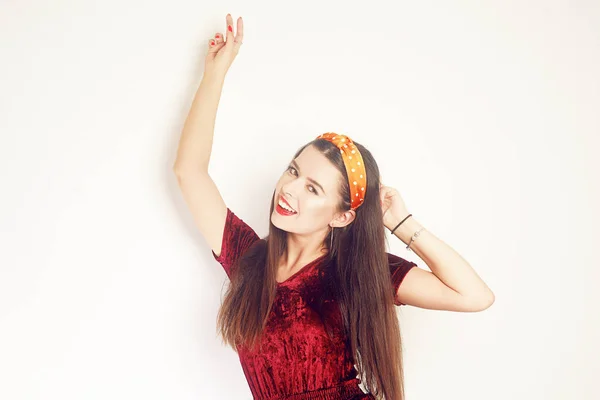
(310, 308)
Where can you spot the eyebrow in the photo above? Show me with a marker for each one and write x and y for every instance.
(295, 164)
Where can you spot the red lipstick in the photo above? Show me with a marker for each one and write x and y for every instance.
(282, 210)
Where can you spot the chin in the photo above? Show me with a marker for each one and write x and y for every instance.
(275, 224)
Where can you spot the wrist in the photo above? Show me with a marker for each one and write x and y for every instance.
(213, 77)
(405, 231)
(393, 221)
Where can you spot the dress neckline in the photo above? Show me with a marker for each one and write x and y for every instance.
(295, 274)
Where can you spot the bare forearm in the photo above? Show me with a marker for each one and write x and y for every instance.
(443, 260)
(195, 143)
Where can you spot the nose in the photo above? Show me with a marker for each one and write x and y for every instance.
(288, 191)
(285, 192)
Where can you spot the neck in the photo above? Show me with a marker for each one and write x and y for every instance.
(301, 251)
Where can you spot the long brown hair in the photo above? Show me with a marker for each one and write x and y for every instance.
(358, 255)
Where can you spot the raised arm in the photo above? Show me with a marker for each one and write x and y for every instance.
(195, 144)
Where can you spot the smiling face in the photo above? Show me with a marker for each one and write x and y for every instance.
(310, 184)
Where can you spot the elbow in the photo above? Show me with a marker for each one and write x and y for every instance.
(486, 302)
(480, 303)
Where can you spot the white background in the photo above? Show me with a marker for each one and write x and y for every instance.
(484, 116)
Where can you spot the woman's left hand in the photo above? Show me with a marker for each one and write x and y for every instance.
(392, 206)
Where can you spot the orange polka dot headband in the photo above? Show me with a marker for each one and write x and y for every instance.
(357, 175)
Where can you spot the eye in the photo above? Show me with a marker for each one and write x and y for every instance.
(311, 186)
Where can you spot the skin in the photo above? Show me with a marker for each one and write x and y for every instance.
(316, 209)
(316, 213)
(451, 285)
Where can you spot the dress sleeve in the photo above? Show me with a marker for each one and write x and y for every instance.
(399, 267)
(238, 236)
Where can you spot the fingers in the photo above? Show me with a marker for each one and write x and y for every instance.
(239, 35)
(234, 38)
(229, 28)
(212, 45)
(215, 43)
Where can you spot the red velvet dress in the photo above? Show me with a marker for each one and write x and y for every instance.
(298, 360)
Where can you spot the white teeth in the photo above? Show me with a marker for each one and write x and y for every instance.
(284, 206)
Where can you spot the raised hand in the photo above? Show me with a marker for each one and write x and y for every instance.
(392, 206)
(222, 50)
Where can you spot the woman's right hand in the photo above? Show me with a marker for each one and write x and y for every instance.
(221, 53)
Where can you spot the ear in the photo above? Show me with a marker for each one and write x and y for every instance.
(342, 219)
